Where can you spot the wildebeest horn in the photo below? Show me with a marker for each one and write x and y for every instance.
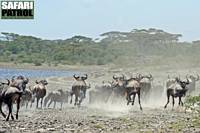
(84, 78)
(114, 77)
(197, 78)
(8, 81)
(168, 76)
(36, 82)
(187, 81)
(76, 77)
(150, 77)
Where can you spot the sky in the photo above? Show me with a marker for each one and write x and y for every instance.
(65, 18)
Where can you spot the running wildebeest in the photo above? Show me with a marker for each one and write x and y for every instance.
(146, 85)
(39, 91)
(101, 93)
(133, 87)
(13, 93)
(129, 87)
(79, 89)
(177, 89)
(56, 96)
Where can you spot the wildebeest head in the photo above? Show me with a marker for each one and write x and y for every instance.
(3, 83)
(182, 83)
(44, 82)
(118, 81)
(84, 77)
(76, 77)
(19, 82)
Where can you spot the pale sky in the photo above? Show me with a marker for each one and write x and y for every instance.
(65, 18)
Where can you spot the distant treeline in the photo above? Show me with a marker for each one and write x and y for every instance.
(136, 47)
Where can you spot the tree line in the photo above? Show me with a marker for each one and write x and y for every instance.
(115, 47)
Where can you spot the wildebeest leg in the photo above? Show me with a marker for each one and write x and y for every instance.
(71, 97)
(173, 102)
(31, 104)
(1, 110)
(76, 100)
(139, 100)
(26, 104)
(18, 106)
(50, 103)
(37, 102)
(61, 104)
(133, 99)
(180, 101)
(54, 106)
(10, 111)
(41, 102)
(128, 98)
(168, 95)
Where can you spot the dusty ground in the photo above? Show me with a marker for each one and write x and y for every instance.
(107, 117)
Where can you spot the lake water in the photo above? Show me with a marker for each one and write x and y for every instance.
(8, 73)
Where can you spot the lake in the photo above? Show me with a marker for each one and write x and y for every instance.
(8, 73)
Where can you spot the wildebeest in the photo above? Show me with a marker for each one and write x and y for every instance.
(79, 89)
(39, 91)
(101, 93)
(133, 87)
(129, 87)
(192, 85)
(146, 85)
(11, 94)
(56, 96)
(177, 89)
(27, 97)
(118, 85)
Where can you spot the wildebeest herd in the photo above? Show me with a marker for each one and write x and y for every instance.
(15, 91)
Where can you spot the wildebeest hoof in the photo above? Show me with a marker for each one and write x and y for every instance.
(12, 117)
(141, 108)
(4, 116)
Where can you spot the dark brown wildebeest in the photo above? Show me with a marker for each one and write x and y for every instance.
(133, 87)
(177, 89)
(129, 88)
(39, 91)
(11, 94)
(79, 89)
(56, 96)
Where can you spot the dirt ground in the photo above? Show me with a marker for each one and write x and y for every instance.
(117, 117)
